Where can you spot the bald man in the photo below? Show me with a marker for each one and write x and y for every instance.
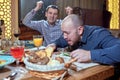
(89, 43)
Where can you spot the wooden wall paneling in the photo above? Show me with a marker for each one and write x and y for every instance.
(83, 4)
(27, 33)
(64, 3)
(60, 5)
(90, 4)
(14, 15)
(76, 3)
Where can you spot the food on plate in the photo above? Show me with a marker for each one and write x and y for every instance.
(38, 57)
(2, 62)
(66, 54)
(60, 59)
(41, 54)
(49, 51)
(43, 57)
(57, 60)
(53, 62)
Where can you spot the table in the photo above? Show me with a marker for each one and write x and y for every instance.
(99, 72)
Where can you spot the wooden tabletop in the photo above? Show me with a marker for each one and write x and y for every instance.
(99, 72)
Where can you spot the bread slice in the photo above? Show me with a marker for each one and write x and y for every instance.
(49, 51)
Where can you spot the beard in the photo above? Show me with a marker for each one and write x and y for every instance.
(76, 44)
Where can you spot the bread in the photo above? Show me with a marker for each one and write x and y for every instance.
(49, 51)
(41, 54)
(60, 59)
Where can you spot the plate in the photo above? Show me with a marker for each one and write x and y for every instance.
(35, 48)
(46, 68)
(7, 59)
(29, 44)
(42, 68)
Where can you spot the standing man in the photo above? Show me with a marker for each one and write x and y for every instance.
(49, 28)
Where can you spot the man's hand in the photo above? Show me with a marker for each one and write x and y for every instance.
(81, 55)
(38, 5)
(52, 45)
(68, 10)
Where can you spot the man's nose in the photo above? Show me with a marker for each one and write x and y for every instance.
(52, 15)
(65, 36)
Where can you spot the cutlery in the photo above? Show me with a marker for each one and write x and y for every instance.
(61, 77)
(11, 76)
(67, 65)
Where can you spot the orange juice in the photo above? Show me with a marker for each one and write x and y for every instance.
(38, 41)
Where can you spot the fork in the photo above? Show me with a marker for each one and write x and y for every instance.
(62, 76)
(67, 65)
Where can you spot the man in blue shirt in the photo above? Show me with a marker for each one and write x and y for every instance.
(90, 43)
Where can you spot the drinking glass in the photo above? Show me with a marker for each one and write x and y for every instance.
(17, 51)
(37, 40)
(17, 33)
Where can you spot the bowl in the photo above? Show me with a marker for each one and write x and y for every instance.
(46, 68)
(42, 68)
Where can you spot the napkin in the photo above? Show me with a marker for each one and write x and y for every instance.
(81, 66)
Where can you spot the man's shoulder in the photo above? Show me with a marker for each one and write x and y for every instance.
(95, 28)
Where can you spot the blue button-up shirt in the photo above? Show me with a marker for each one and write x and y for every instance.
(103, 46)
(50, 32)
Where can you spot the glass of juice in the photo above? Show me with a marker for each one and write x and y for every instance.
(38, 40)
(17, 51)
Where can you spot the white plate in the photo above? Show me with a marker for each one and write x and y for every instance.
(45, 68)
(35, 48)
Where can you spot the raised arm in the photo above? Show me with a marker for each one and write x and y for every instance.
(28, 18)
(38, 5)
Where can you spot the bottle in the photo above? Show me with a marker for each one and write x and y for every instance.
(1, 26)
(1, 23)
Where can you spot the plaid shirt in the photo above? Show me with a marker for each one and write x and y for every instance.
(50, 32)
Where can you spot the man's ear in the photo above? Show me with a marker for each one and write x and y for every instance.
(80, 30)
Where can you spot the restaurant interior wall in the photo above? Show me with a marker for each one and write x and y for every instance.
(11, 7)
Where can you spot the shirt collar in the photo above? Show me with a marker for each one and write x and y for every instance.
(87, 32)
(56, 23)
